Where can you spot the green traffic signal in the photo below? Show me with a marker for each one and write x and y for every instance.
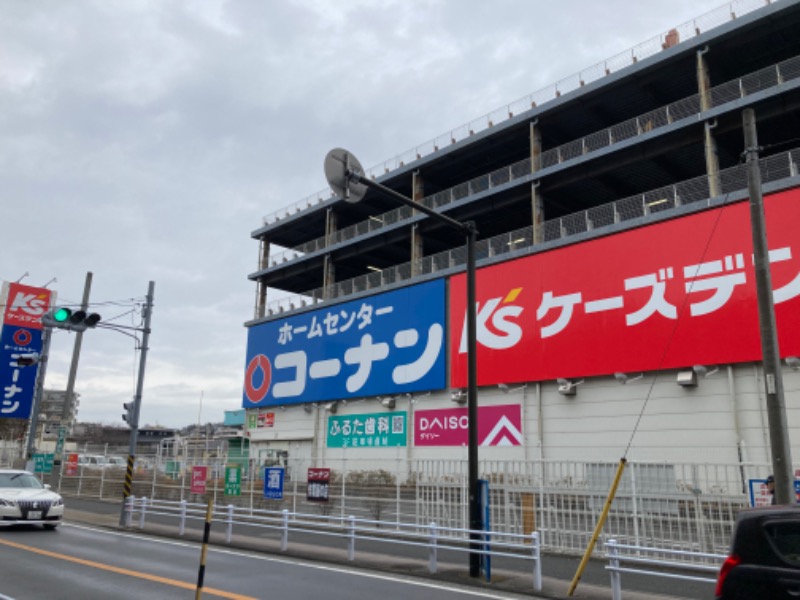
(72, 320)
(61, 315)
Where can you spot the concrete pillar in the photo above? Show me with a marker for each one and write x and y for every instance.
(261, 289)
(712, 159)
(536, 146)
(537, 206)
(703, 80)
(328, 267)
(417, 195)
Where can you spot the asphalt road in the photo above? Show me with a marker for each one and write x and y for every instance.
(79, 561)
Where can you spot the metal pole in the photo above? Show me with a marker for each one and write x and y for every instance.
(37, 394)
(468, 228)
(773, 379)
(475, 517)
(76, 353)
(137, 401)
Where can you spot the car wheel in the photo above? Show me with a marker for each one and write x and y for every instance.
(50, 526)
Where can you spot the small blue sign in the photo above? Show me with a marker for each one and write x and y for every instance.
(273, 483)
(390, 343)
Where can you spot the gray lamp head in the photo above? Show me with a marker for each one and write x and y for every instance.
(338, 162)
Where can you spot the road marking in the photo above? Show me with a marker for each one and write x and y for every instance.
(409, 580)
(129, 572)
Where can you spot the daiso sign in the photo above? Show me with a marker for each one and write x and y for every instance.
(497, 426)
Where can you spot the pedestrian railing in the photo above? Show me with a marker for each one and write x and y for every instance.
(432, 537)
(658, 562)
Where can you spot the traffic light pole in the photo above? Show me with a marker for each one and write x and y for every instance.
(137, 402)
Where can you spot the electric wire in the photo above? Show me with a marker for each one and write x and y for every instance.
(720, 211)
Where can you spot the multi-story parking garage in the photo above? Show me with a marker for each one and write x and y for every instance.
(617, 311)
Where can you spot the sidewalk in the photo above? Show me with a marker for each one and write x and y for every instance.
(518, 582)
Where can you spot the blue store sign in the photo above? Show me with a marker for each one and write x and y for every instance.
(386, 344)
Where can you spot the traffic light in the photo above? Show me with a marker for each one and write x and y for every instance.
(73, 320)
(127, 416)
(26, 360)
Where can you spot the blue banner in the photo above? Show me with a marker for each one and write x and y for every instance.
(18, 382)
(385, 344)
(273, 483)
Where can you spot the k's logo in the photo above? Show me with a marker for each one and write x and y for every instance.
(497, 312)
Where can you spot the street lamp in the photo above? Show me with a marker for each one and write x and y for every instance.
(345, 175)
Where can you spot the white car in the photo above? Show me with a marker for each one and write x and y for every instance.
(24, 499)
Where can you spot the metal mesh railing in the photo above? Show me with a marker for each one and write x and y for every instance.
(696, 190)
(695, 27)
(764, 79)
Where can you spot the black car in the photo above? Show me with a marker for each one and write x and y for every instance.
(764, 560)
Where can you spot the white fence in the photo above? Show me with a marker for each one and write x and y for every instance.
(656, 562)
(430, 537)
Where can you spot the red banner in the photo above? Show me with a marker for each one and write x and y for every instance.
(497, 426)
(199, 478)
(25, 305)
(71, 466)
(664, 296)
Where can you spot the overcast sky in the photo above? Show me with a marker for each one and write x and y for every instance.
(145, 140)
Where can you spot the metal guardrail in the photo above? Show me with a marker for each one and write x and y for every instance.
(432, 537)
(651, 47)
(696, 190)
(655, 557)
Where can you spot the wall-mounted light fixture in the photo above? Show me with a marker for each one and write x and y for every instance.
(703, 370)
(624, 378)
(331, 407)
(506, 390)
(388, 403)
(567, 387)
(793, 362)
(688, 378)
(309, 408)
(459, 396)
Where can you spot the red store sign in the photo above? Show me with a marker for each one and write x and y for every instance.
(664, 296)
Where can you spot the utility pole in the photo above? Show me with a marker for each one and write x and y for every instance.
(773, 379)
(137, 402)
(73, 368)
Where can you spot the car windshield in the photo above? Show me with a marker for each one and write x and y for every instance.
(19, 480)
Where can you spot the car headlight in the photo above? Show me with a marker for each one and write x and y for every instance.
(7, 502)
(58, 502)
